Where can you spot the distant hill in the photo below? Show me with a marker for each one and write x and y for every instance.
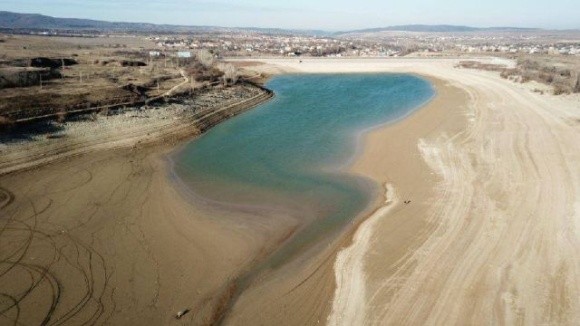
(36, 21)
(18, 21)
(15, 21)
(438, 29)
(417, 28)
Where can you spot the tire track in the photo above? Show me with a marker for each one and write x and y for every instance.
(30, 233)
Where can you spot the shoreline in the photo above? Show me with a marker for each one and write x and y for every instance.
(117, 186)
(372, 141)
(171, 126)
(263, 267)
(463, 250)
(362, 136)
(167, 255)
(317, 263)
(390, 157)
(481, 191)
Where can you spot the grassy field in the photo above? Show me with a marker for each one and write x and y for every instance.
(96, 72)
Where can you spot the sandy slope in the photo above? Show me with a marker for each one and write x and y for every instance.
(107, 239)
(349, 305)
(497, 241)
(504, 247)
(102, 233)
(490, 236)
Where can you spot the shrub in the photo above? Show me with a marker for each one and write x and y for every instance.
(230, 73)
(205, 57)
(5, 121)
(61, 116)
(506, 73)
(210, 75)
(104, 112)
(469, 64)
(547, 78)
(527, 64)
(526, 77)
(560, 89)
(565, 73)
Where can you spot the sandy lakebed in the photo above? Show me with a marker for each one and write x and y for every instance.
(490, 235)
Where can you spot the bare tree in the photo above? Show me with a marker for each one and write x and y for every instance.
(205, 58)
(231, 75)
(577, 86)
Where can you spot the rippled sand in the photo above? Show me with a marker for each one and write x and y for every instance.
(491, 232)
(490, 235)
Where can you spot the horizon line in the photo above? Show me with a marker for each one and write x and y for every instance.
(302, 29)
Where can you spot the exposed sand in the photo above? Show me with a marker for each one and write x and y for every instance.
(107, 238)
(105, 235)
(491, 234)
(349, 304)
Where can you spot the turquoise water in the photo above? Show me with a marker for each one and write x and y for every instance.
(287, 154)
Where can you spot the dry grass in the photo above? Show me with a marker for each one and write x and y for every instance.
(61, 116)
(563, 75)
(245, 64)
(469, 64)
(106, 74)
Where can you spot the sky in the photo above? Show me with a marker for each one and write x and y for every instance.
(331, 15)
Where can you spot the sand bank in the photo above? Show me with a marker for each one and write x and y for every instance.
(107, 238)
(104, 236)
(350, 304)
(491, 233)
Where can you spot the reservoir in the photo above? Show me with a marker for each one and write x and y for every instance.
(292, 154)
